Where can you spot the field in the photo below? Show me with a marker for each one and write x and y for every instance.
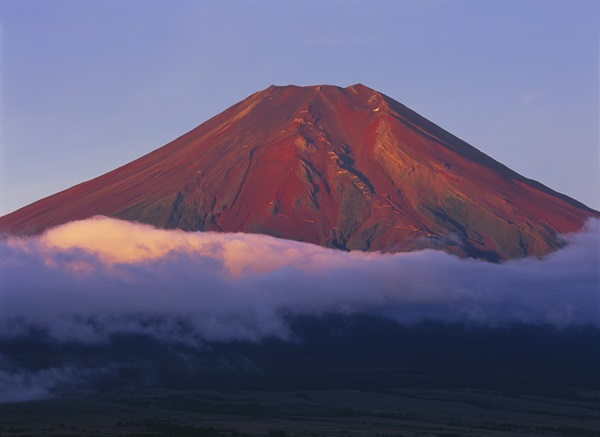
(400, 412)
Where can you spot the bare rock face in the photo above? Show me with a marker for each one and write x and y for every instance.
(348, 168)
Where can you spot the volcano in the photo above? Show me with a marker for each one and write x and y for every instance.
(348, 168)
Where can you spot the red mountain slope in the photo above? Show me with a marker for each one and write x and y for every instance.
(341, 167)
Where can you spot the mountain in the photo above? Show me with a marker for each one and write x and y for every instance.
(348, 168)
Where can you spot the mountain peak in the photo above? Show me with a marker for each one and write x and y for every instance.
(348, 168)
(360, 89)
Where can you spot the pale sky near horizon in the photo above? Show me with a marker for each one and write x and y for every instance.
(87, 86)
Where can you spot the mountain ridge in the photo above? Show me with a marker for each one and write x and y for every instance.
(349, 168)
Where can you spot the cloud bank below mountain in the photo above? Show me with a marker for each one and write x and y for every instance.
(88, 280)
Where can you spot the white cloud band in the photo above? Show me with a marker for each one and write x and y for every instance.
(87, 280)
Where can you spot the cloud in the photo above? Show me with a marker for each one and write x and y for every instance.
(89, 280)
(17, 385)
(20, 382)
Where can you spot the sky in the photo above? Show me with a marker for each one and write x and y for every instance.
(87, 86)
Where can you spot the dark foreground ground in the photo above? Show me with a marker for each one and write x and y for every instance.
(340, 376)
(395, 412)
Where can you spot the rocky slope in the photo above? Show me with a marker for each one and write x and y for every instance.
(342, 167)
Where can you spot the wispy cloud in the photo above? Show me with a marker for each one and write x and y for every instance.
(17, 384)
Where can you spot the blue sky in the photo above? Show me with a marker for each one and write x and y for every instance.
(86, 86)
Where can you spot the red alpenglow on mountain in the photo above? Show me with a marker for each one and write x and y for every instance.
(348, 168)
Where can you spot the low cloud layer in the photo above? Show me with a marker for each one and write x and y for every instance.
(86, 281)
